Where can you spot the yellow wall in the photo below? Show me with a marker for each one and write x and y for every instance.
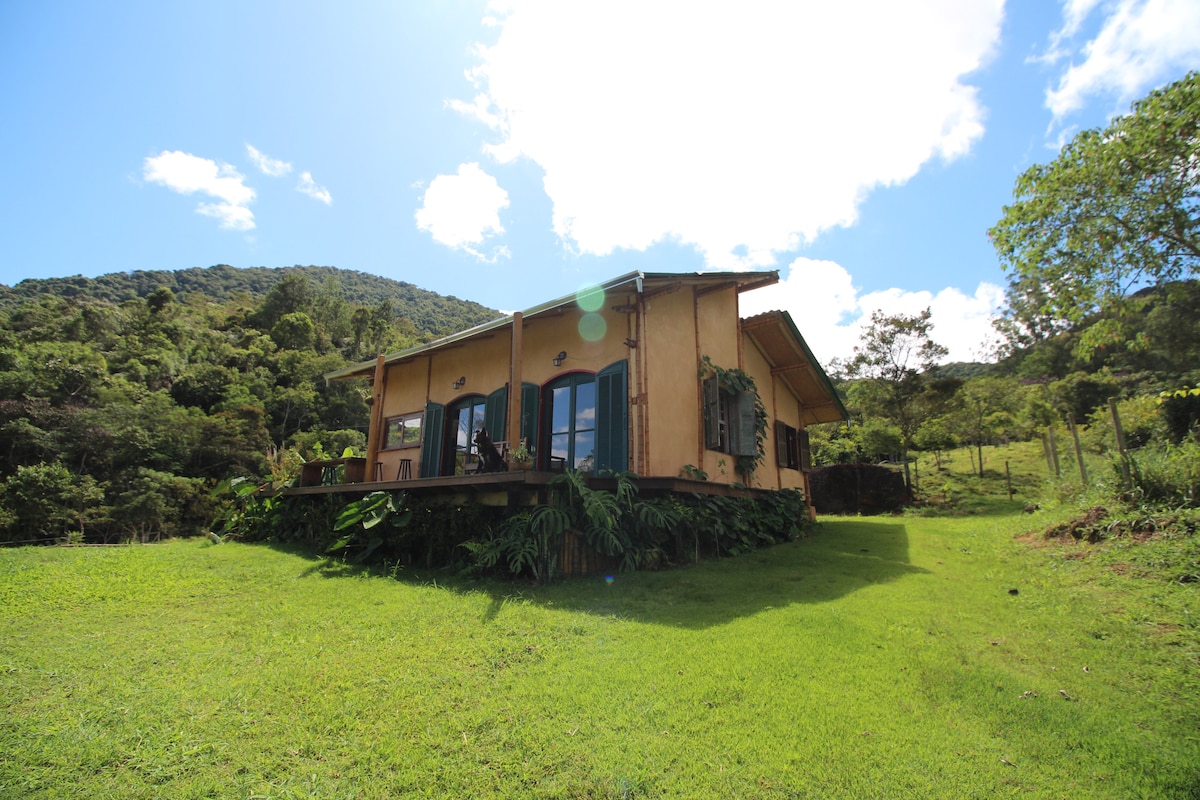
(486, 364)
(547, 336)
(667, 431)
(672, 385)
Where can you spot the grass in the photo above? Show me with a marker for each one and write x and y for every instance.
(879, 658)
(950, 484)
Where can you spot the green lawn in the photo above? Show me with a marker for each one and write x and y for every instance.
(879, 658)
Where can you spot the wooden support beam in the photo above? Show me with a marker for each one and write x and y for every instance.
(375, 431)
(513, 434)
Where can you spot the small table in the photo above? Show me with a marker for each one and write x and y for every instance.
(325, 471)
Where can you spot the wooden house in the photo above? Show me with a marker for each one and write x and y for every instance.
(625, 376)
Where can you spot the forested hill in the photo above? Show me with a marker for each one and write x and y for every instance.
(429, 313)
(124, 399)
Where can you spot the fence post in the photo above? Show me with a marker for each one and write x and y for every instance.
(1078, 449)
(1008, 478)
(1116, 418)
(1054, 452)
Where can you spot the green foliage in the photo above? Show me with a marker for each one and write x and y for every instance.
(879, 440)
(1141, 421)
(380, 515)
(1181, 412)
(427, 314)
(737, 380)
(834, 443)
(1166, 475)
(1115, 211)
(1082, 392)
(892, 362)
(154, 387)
(47, 502)
(148, 505)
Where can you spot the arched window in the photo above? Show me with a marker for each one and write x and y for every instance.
(464, 417)
(570, 418)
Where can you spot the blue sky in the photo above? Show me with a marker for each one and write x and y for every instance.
(511, 153)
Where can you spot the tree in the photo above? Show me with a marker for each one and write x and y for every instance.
(985, 406)
(46, 501)
(1115, 212)
(893, 354)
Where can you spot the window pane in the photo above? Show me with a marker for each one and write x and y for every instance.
(463, 440)
(585, 406)
(559, 454)
(395, 433)
(585, 451)
(560, 404)
(412, 429)
(476, 422)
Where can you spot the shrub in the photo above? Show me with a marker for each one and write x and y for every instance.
(1140, 420)
(857, 489)
(580, 529)
(1166, 475)
(46, 502)
(1181, 411)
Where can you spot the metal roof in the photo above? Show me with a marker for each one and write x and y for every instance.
(790, 358)
(744, 281)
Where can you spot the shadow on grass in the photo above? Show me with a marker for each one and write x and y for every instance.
(841, 557)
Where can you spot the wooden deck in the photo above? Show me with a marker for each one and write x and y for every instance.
(518, 487)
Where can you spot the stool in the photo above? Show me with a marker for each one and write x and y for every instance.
(378, 476)
(405, 471)
(329, 475)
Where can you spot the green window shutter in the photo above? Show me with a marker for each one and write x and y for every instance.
(530, 395)
(612, 418)
(495, 414)
(712, 413)
(781, 444)
(431, 443)
(805, 457)
(743, 425)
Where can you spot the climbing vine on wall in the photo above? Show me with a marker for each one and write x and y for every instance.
(736, 380)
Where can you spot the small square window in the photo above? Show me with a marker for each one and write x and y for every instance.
(403, 431)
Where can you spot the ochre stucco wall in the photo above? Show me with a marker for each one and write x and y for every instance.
(672, 387)
(486, 363)
(666, 432)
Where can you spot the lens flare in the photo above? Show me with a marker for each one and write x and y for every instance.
(590, 298)
(592, 327)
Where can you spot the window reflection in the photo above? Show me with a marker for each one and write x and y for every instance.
(572, 421)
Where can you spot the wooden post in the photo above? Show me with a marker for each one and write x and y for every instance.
(1054, 452)
(1046, 453)
(1008, 478)
(375, 431)
(1078, 450)
(515, 410)
(1116, 418)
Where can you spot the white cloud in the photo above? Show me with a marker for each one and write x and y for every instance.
(743, 132)
(1139, 44)
(831, 314)
(267, 165)
(187, 174)
(463, 210)
(308, 187)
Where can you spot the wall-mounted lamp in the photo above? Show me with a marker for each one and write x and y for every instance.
(458, 384)
(561, 357)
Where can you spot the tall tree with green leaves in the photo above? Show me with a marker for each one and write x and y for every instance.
(891, 359)
(986, 406)
(1117, 210)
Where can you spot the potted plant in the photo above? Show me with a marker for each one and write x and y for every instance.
(520, 457)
